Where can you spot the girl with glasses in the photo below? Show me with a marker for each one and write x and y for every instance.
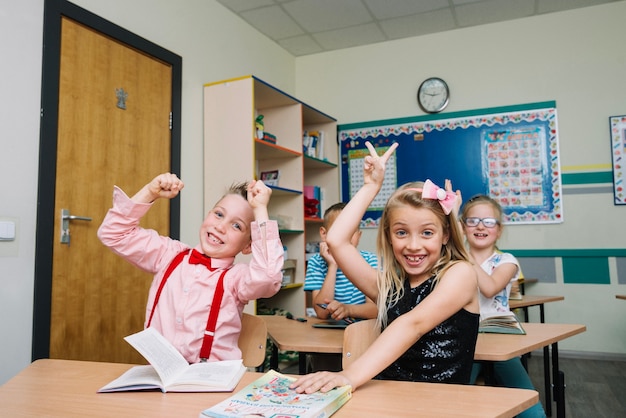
(496, 270)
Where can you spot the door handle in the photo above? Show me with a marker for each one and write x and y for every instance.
(65, 224)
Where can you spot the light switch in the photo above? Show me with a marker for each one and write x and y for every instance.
(7, 231)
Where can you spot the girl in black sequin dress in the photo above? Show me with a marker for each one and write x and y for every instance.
(426, 290)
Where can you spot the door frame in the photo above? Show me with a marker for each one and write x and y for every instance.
(54, 10)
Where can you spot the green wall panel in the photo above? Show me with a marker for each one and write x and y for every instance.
(586, 270)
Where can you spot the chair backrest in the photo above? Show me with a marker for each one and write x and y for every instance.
(357, 338)
(252, 340)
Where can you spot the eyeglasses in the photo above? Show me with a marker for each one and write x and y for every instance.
(487, 222)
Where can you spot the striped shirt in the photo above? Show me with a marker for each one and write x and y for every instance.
(345, 291)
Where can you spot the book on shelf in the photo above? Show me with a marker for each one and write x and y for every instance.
(313, 144)
(270, 396)
(170, 372)
(501, 323)
(313, 201)
(268, 137)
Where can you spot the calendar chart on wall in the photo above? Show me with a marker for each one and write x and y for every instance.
(509, 153)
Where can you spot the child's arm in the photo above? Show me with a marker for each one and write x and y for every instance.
(338, 310)
(491, 285)
(165, 185)
(265, 268)
(259, 197)
(347, 255)
(326, 294)
(120, 230)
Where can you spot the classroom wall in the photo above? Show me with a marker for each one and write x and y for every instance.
(214, 44)
(358, 84)
(576, 58)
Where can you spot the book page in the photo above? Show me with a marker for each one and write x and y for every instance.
(160, 353)
(218, 374)
(137, 377)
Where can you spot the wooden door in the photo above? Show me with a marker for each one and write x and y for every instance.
(113, 128)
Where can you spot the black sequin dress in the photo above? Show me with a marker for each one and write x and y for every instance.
(443, 355)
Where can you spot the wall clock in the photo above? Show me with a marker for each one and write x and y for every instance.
(433, 95)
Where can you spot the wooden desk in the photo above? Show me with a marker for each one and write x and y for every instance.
(533, 300)
(66, 388)
(499, 347)
(620, 296)
(288, 334)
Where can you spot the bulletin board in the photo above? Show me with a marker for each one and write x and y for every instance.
(509, 153)
(618, 150)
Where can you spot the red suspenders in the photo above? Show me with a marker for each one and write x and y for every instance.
(209, 333)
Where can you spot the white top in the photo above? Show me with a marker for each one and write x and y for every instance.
(500, 301)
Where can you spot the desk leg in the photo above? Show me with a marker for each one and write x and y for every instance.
(525, 310)
(558, 378)
(301, 363)
(546, 380)
(546, 367)
(274, 358)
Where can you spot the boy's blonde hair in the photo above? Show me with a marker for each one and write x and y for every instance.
(240, 189)
(391, 276)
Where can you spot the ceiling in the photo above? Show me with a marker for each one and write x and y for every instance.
(304, 27)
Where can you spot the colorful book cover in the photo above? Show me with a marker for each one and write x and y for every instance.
(270, 396)
(312, 202)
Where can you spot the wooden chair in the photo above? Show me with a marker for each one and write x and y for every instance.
(252, 340)
(357, 338)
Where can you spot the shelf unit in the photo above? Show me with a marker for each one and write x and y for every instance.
(232, 154)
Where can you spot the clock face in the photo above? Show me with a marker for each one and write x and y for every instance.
(433, 95)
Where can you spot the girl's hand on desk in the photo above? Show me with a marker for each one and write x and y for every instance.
(322, 381)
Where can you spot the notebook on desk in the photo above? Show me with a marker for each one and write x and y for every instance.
(333, 323)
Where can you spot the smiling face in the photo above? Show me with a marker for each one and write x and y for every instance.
(225, 231)
(479, 236)
(417, 237)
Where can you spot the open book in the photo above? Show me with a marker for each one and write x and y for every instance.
(170, 372)
(270, 396)
(501, 323)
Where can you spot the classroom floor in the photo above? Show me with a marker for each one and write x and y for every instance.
(593, 388)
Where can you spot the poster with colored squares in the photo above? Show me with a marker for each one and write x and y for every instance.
(509, 153)
(618, 148)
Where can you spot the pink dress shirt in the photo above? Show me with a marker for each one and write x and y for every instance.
(183, 309)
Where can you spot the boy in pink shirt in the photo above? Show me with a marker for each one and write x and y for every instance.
(189, 283)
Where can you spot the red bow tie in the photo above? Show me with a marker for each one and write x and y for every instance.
(199, 258)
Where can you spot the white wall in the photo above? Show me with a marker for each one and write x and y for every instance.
(576, 58)
(214, 44)
(20, 83)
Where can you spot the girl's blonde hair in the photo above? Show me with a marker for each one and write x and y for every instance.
(391, 275)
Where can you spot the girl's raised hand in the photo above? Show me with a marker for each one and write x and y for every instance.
(459, 198)
(374, 164)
